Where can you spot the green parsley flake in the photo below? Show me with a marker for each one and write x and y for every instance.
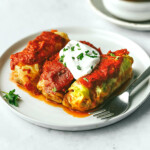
(65, 49)
(78, 45)
(92, 67)
(72, 48)
(80, 56)
(78, 67)
(62, 58)
(73, 58)
(65, 65)
(86, 79)
(94, 53)
(54, 89)
(79, 49)
(86, 51)
(90, 56)
(111, 54)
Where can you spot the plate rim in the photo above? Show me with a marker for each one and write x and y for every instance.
(72, 127)
(117, 21)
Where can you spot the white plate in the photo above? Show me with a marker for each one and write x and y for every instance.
(98, 6)
(48, 116)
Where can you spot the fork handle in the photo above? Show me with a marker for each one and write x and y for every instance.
(140, 78)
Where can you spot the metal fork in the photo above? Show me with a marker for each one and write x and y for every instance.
(120, 104)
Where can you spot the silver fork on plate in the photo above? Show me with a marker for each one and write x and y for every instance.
(120, 104)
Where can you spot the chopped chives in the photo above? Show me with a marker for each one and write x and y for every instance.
(73, 58)
(62, 58)
(90, 56)
(65, 49)
(86, 79)
(94, 53)
(72, 48)
(65, 65)
(78, 45)
(80, 56)
(86, 51)
(78, 67)
(92, 67)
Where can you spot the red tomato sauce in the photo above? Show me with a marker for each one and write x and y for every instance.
(39, 49)
(54, 104)
(56, 75)
(107, 68)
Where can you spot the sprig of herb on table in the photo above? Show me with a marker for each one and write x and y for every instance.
(11, 97)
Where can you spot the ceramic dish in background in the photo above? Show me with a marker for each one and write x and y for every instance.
(129, 10)
(42, 114)
(99, 7)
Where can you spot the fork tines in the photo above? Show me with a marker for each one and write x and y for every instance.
(103, 114)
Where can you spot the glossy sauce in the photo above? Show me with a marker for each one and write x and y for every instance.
(39, 49)
(108, 68)
(40, 97)
(92, 78)
(74, 113)
(56, 75)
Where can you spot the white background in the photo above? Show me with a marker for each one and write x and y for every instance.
(19, 18)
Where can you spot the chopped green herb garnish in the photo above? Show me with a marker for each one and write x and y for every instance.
(11, 97)
(111, 54)
(80, 56)
(72, 48)
(86, 79)
(78, 45)
(90, 56)
(92, 67)
(65, 49)
(65, 65)
(94, 53)
(73, 58)
(54, 89)
(79, 49)
(86, 51)
(78, 67)
(62, 58)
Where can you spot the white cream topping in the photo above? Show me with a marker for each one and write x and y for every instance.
(79, 58)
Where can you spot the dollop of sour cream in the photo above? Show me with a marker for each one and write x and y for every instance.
(79, 58)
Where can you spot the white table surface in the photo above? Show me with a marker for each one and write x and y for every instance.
(19, 18)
